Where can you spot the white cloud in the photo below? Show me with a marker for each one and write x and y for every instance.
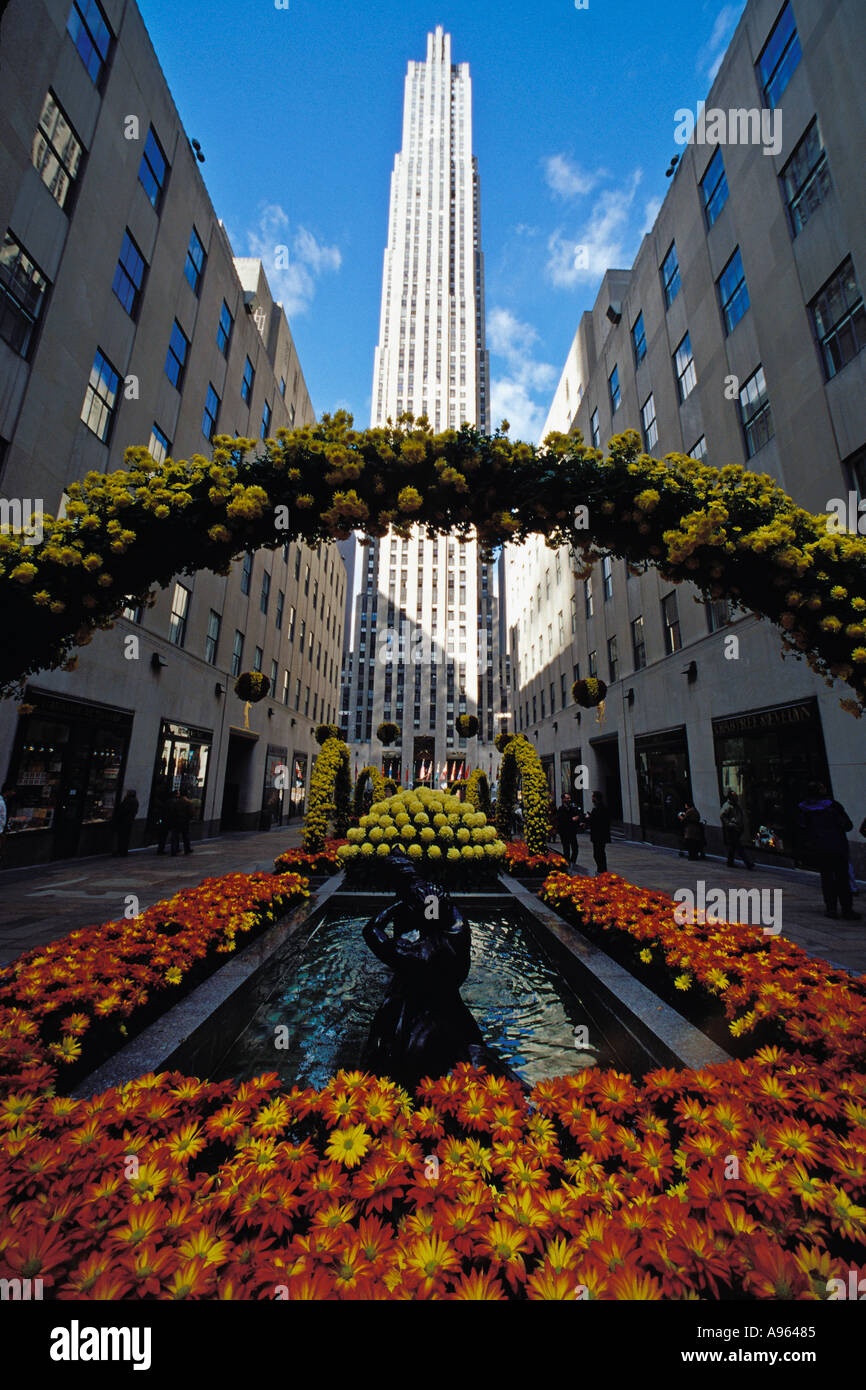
(599, 245)
(512, 391)
(567, 179)
(652, 208)
(293, 261)
(711, 55)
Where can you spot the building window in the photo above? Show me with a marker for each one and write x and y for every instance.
(806, 178)
(285, 685)
(266, 420)
(306, 579)
(283, 387)
(615, 393)
(638, 644)
(153, 170)
(211, 641)
(291, 622)
(265, 596)
(306, 700)
(607, 577)
(257, 659)
(780, 58)
(158, 447)
(595, 432)
(246, 573)
(671, 623)
(297, 701)
(224, 330)
(638, 340)
(278, 615)
(56, 151)
(175, 362)
(129, 276)
(132, 612)
(574, 614)
(839, 318)
(670, 276)
(100, 398)
(179, 614)
(247, 382)
(89, 31)
(757, 417)
(237, 653)
(22, 296)
(195, 262)
(714, 188)
(733, 291)
(588, 603)
(718, 613)
(699, 450)
(592, 664)
(211, 410)
(648, 418)
(612, 660)
(684, 366)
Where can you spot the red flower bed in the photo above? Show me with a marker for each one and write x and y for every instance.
(521, 861)
(305, 861)
(743, 1180)
(65, 1006)
(752, 977)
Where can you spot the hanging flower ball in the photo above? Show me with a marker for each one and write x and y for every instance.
(252, 686)
(467, 725)
(589, 692)
(326, 731)
(388, 733)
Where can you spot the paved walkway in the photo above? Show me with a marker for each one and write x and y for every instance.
(44, 902)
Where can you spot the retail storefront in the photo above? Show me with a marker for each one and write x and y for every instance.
(298, 785)
(664, 782)
(569, 779)
(67, 766)
(275, 791)
(767, 757)
(181, 765)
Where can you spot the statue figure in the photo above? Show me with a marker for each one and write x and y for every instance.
(423, 1028)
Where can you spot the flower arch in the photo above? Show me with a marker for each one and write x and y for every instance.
(521, 762)
(478, 791)
(733, 534)
(330, 785)
(374, 777)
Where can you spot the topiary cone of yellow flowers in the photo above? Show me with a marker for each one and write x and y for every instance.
(438, 832)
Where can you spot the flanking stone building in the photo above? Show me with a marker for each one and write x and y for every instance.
(735, 337)
(125, 319)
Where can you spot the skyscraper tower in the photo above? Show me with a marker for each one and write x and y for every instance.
(423, 638)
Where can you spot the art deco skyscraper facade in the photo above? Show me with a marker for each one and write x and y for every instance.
(424, 622)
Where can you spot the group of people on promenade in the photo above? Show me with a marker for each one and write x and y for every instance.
(571, 821)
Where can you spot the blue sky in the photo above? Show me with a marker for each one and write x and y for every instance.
(298, 112)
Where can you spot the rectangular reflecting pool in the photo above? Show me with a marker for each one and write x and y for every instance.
(320, 994)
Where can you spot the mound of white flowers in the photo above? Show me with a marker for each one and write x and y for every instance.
(430, 826)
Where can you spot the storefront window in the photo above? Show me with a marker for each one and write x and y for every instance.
(664, 782)
(569, 765)
(298, 788)
(768, 758)
(182, 760)
(276, 785)
(39, 777)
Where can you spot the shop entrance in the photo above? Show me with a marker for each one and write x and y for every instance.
(607, 779)
(239, 766)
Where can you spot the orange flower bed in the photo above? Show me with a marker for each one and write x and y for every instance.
(752, 977)
(520, 860)
(65, 1004)
(742, 1180)
(304, 861)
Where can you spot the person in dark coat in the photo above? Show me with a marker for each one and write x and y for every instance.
(599, 832)
(733, 826)
(123, 820)
(825, 825)
(693, 831)
(566, 828)
(179, 813)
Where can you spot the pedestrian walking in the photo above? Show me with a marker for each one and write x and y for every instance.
(123, 820)
(825, 825)
(566, 828)
(179, 817)
(599, 832)
(693, 831)
(733, 826)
